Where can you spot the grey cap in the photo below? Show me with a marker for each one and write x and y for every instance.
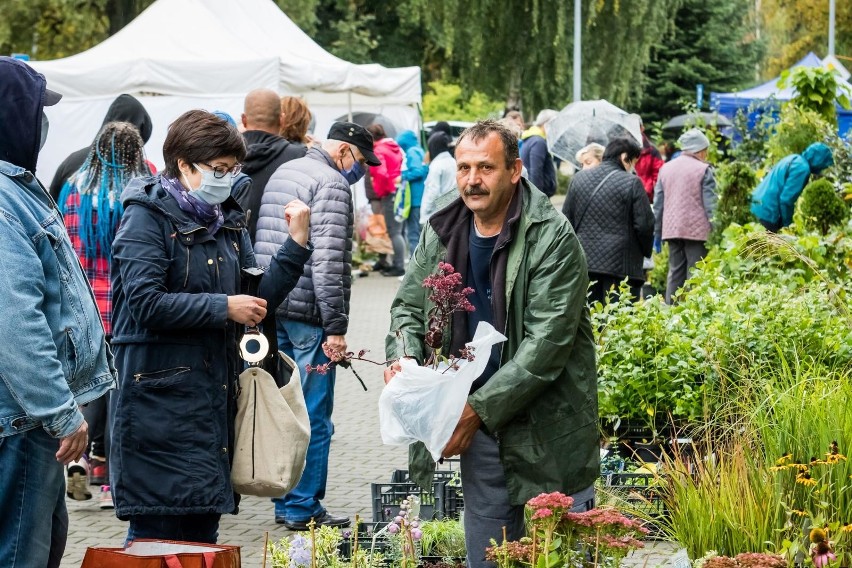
(693, 140)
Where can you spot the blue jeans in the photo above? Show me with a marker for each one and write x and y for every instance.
(33, 517)
(412, 229)
(188, 528)
(303, 342)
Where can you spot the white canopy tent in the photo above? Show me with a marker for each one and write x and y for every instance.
(183, 54)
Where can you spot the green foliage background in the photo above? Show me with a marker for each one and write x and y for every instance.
(645, 55)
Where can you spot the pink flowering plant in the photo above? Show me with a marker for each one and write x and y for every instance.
(558, 538)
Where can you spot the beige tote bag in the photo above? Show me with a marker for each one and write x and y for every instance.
(272, 434)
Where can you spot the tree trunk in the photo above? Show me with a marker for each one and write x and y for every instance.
(120, 13)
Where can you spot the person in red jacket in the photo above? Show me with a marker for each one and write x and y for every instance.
(648, 166)
(385, 179)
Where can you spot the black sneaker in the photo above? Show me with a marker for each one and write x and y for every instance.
(325, 519)
(393, 272)
(381, 265)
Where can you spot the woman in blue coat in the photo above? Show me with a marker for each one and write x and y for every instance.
(177, 317)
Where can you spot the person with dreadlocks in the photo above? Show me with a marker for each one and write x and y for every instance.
(90, 201)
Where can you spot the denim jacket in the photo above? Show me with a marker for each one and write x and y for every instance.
(54, 355)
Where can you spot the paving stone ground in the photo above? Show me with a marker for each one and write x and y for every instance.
(357, 454)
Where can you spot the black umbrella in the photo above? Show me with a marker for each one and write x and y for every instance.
(683, 121)
(365, 119)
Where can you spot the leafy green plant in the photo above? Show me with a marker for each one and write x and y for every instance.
(444, 538)
(660, 273)
(820, 207)
(754, 126)
(735, 182)
(756, 299)
(817, 89)
(797, 128)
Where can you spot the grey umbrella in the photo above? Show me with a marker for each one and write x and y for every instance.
(684, 121)
(365, 119)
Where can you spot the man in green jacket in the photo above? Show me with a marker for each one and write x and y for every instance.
(530, 424)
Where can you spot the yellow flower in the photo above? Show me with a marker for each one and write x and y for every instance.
(806, 480)
(834, 458)
(784, 459)
(801, 513)
(846, 528)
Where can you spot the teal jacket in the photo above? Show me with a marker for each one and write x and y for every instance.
(541, 405)
(774, 199)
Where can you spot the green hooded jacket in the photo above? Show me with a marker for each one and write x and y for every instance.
(541, 405)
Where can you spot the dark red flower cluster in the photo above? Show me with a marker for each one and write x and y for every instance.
(760, 560)
(512, 550)
(448, 297)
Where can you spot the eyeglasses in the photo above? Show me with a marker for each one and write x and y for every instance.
(221, 171)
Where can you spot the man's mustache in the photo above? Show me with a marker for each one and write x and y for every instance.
(475, 190)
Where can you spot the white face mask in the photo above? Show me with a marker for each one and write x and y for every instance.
(212, 190)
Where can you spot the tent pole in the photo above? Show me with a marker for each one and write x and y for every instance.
(349, 98)
(831, 14)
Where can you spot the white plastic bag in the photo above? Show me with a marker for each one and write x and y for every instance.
(424, 405)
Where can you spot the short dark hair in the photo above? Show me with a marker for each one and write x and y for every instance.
(619, 146)
(484, 128)
(377, 131)
(200, 136)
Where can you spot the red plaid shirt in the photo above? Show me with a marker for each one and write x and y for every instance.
(97, 268)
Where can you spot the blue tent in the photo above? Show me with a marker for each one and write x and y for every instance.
(729, 103)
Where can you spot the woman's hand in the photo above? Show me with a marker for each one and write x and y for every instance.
(298, 217)
(246, 310)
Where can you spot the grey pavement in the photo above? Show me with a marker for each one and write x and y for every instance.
(357, 454)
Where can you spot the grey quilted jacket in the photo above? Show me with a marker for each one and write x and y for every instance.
(616, 226)
(321, 297)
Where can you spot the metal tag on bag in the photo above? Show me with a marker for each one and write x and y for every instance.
(254, 346)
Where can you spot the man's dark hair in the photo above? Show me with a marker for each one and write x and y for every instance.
(377, 131)
(620, 146)
(484, 128)
(199, 136)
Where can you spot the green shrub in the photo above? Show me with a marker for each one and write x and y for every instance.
(820, 207)
(797, 129)
(447, 101)
(751, 303)
(817, 89)
(735, 182)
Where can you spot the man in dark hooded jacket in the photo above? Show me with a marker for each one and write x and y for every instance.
(267, 150)
(55, 358)
(125, 108)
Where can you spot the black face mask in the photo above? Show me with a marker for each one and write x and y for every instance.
(45, 126)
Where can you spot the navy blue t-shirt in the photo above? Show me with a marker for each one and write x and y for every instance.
(480, 250)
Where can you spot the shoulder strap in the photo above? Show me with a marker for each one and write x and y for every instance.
(589, 201)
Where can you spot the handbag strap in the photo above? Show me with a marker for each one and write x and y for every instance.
(250, 283)
(173, 561)
(589, 202)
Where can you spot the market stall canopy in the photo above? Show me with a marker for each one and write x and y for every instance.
(204, 47)
(183, 54)
(729, 103)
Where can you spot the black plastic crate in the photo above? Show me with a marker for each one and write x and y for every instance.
(388, 497)
(450, 484)
(366, 532)
(640, 492)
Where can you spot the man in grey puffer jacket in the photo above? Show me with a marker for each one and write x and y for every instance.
(313, 320)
